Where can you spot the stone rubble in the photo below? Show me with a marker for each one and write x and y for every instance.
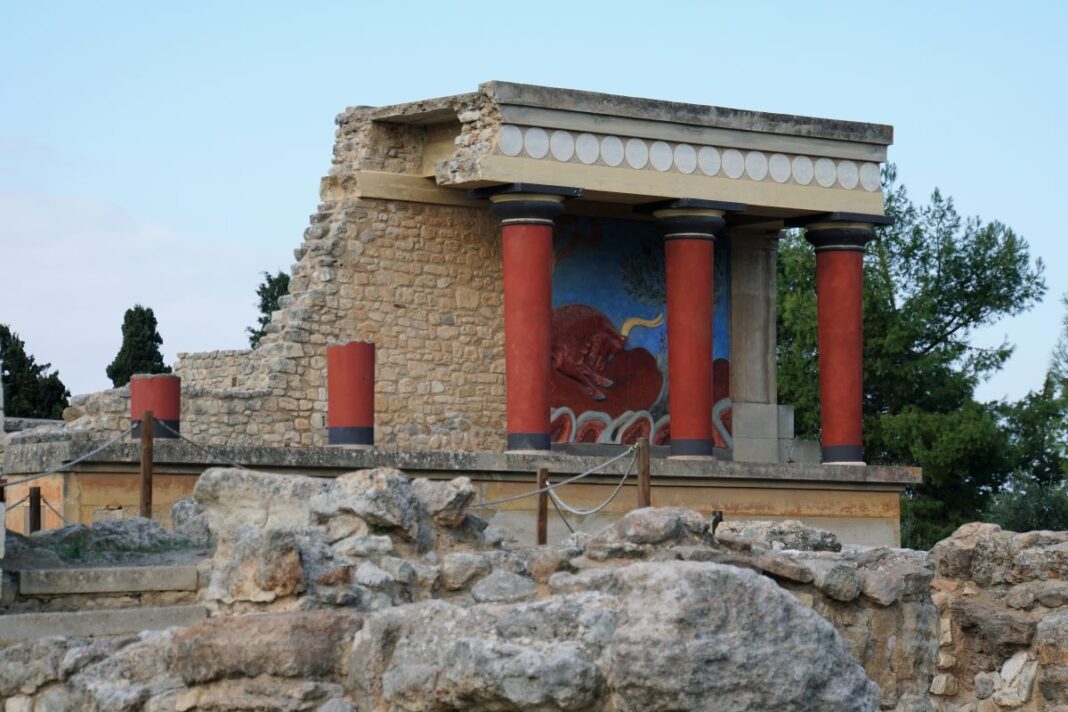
(372, 591)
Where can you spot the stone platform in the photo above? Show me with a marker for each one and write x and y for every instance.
(859, 504)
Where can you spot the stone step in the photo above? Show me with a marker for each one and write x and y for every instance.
(104, 622)
(118, 579)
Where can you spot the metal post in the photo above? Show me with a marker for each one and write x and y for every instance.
(147, 426)
(35, 509)
(645, 485)
(543, 508)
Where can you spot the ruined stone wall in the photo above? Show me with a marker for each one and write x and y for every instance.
(421, 281)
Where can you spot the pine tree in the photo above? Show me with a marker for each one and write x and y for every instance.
(139, 352)
(270, 291)
(30, 391)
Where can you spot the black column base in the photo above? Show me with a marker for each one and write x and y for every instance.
(348, 435)
(691, 448)
(842, 453)
(158, 433)
(528, 441)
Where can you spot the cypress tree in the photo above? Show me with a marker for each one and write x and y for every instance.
(30, 390)
(139, 352)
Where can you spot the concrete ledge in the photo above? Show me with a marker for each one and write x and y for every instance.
(28, 626)
(124, 579)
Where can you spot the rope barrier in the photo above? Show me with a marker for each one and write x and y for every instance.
(17, 503)
(587, 512)
(562, 517)
(200, 447)
(550, 488)
(56, 511)
(70, 464)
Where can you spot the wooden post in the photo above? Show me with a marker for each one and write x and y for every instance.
(35, 509)
(645, 485)
(147, 426)
(543, 508)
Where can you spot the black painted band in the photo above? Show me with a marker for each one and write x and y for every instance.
(840, 238)
(698, 227)
(520, 212)
(691, 448)
(345, 435)
(843, 453)
(158, 432)
(529, 441)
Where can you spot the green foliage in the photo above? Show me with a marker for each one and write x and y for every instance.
(930, 280)
(1028, 503)
(270, 291)
(30, 390)
(139, 352)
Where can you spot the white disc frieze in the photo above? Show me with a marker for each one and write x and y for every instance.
(756, 165)
(826, 174)
(612, 150)
(536, 141)
(685, 158)
(869, 176)
(733, 163)
(803, 170)
(562, 145)
(637, 153)
(510, 140)
(779, 168)
(709, 161)
(587, 148)
(660, 156)
(848, 175)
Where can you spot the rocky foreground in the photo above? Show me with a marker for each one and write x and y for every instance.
(373, 591)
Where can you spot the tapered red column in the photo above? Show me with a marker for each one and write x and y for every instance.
(527, 235)
(689, 236)
(840, 308)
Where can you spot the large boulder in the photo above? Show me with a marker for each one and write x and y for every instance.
(648, 636)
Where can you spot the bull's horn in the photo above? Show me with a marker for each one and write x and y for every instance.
(634, 321)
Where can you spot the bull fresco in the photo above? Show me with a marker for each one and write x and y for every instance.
(609, 335)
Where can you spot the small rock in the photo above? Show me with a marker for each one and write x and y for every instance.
(944, 685)
(839, 580)
(986, 684)
(364, 545)
(445, 502)
(503, 587)
(371, 576)
(460, 568)
(789, 534)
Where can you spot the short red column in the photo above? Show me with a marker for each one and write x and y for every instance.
(350, 394)
(689, 236)
(840, 309)
(160, 394)
(527, 235)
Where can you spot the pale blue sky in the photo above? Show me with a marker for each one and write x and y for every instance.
(168, 153)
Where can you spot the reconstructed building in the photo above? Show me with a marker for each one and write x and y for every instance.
(549, 276)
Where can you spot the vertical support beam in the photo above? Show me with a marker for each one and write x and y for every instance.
(147, 426)
(840, 307)
(689, 229)
(753, 316)
(527, 213)
(543, 508)
(35, 509)
(645, 484)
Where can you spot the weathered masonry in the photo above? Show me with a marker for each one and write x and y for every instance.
(550, 274)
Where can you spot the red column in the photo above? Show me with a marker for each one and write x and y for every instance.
(160, 393)
(527, 235)
(840, 308)
(688, 248)
(350, 393)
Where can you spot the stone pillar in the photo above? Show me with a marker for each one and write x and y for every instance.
(757, 420)
(840, 307)
(689, 233)
(527, 214)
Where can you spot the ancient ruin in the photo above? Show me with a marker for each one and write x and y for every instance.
(547, 277)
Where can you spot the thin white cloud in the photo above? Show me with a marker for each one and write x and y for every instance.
(70, 267)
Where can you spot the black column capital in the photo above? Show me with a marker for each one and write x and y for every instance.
(689, 218)
(526, 203)
(839, 236)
